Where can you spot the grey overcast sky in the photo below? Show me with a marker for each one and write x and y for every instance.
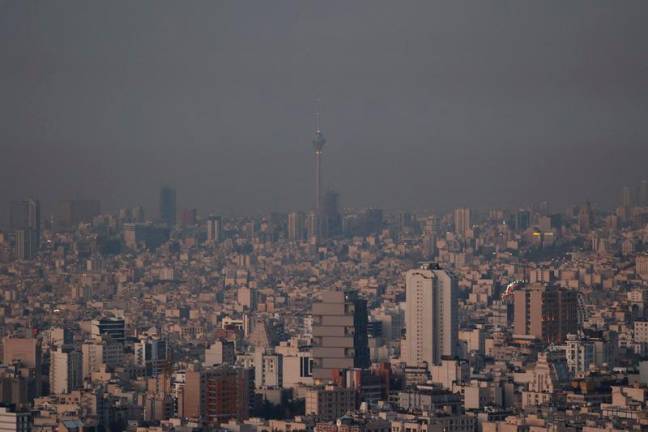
(424, 104)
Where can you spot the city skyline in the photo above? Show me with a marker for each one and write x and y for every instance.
(626, 196)
(460, 246)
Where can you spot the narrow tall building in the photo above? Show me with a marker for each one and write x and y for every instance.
(92, 357)
(431, 315)
(24, 219)
(26, 244)
(340, 338)
(189, 217)
(26, 215)
(461, 220)
(585, 217)
(66, 371)
(296, 227)
(626, 197)
(331, 213)
(168, 205)
(214, 229)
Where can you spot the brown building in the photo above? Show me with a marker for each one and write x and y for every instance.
(189, 217)
(27, 351)
(547, 312)
(330, 402)
(216, 395)
(641, 263)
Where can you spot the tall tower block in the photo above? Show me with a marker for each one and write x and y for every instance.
(431, 315)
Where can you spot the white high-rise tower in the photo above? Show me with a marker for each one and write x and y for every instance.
(431, 315)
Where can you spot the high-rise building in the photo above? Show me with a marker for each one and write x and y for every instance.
(26, 215)
(26, 244)
(137, 214)
(331, 213)
(168, 205)
(361, 358)
(189, 217)
(340, 339)
(545, 311)
(147, 234)
(429, 249)
(626, 197)
(73, 212)
(461, 220)
(406, 221)
(431, 225)
(522, 219)
(431, 315)
(585, 217)
(373, 220)
(91, 357)
(66, 370)
(215, 395)
(214, 229)
(14, 421)
(643, 193)
(296, 229)
(152, 353)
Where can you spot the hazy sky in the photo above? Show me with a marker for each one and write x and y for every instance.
(424, 104)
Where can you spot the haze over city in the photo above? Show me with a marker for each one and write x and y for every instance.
(426, 105)
(334, 216)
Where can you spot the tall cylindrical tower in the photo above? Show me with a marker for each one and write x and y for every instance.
(318, 145)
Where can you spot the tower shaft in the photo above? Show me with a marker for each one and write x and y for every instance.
(318, 180)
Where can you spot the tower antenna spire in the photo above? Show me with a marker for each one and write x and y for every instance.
(317, 115)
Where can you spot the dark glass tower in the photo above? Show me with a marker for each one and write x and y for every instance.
(362, 358)
(25, 215)
(168, 205)
(331, 213)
